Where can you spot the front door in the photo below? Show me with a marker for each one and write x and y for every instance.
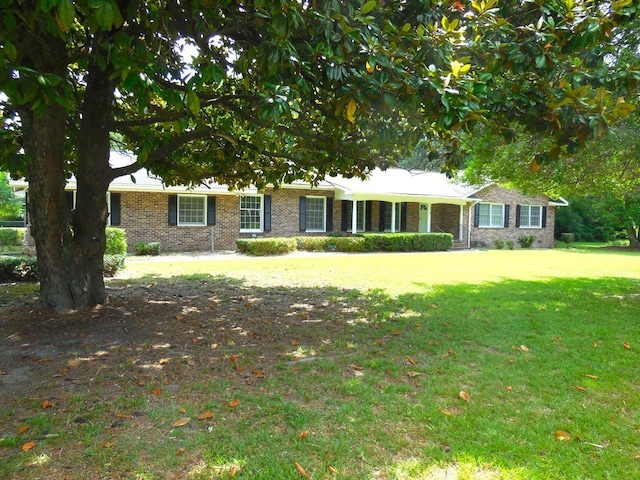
(424, 225)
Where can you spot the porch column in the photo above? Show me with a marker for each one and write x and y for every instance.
(460, 223)
(354, 217)
(428, 218)
(393, 217)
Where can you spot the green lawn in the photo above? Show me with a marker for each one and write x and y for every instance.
(465, 365)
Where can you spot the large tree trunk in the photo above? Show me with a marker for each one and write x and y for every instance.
(86, 276)
(632, 233)
(70, 245)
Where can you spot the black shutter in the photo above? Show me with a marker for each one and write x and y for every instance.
(329, 213)
(69, 199)
(544, 217)
(476, 215)
(114, 214)
(367, 215)
(383, 207)
(518, 216)
(303, 214)
(506, 215)
(267, 213)
(173, 210)
(211, 210)
(344, 224)
(403, 217)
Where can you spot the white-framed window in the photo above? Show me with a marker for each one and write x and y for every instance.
(192, 210)
(491, 215)
(316, 214)
(530, 216)
(387, 217)
(251, 213)
(361, 209)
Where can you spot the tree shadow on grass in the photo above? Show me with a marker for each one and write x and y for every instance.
(376, 379)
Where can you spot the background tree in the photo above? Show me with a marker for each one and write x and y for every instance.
(10, 207)
(265, 91)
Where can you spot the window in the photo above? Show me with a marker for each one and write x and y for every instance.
(316, 214)
(191, 210)
(387, 217)
(491, 215)
(530, 216)
(251, 213)
(361, 211)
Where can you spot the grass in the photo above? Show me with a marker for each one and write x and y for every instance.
(544, 342)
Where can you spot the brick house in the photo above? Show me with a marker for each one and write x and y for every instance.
(211, 217)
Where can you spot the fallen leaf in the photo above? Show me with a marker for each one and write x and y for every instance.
(556, 339)
(464, 396)
(356, 367)
(109, 444)
(156, 391)
(46, 404)
(233, 470)
(578, 387)
(331, 469)
(235, 358)
(301, 470)
(182, 410)
(205, 415)
(164, 361)
(509, 388)
(413, 374)
(303, 435)
(396, 332)
(562, 436)
(180, 451)
(43, 360)
(21, 430)
(234, 403)
(594, 377)
(182, 422)
(123, 415)
(626, 345)
(28, 446)
(411, 361)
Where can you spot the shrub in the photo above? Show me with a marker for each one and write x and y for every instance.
(266, 246)
(113, 264)
(11, 237)
(526, 241)
(567, 237)
(18, 268)
(312, 244)
(347, 244)
(147, 248)
(498, 243)
(510, 244)
(116, 241)
(408, 242)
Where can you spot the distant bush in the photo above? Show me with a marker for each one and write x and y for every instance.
(11, 237)
(312, 244)
(510, 244)
(113, 264)
(526, 241)
(498, 243)
(567, 237)
(266, 246)
(147, 248)
(116, 241)
(18, 268)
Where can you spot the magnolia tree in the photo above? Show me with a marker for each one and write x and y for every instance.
(266, 91)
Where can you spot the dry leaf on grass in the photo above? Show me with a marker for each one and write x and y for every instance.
(205, 415)
(303, 435)
(301, 470)
(411, 361)
(181, 422)
(331, 469)
(46, 404)
(28, 446)
(156, 391)
(464, 396)
(562, 436)
(21, 430)
(234, 403)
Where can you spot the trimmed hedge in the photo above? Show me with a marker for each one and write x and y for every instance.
(266, 246)
(369, 242)
(149, 248)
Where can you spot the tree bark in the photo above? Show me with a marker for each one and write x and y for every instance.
(632, 233)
